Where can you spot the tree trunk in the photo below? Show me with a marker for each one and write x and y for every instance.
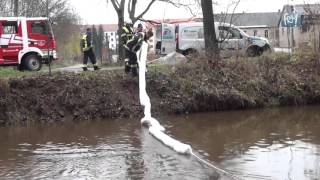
(16, 8)
(211, 42)
(120, 47)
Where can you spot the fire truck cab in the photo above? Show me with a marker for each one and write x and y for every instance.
(26, 42)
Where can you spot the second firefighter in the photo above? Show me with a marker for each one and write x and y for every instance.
(132, 47)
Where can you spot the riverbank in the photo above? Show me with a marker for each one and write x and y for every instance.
(232, 84)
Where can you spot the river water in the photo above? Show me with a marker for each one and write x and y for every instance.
(281, 143)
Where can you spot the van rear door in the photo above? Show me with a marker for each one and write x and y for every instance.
(10, 42)
(168, 39)
(191, 38)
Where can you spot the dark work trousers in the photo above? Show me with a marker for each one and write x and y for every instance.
(133, 64)
(132, 58)
(89, 54)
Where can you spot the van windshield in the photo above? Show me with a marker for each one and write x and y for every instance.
(227, 32)
(244, 34)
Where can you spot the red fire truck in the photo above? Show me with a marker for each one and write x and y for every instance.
(26, 42)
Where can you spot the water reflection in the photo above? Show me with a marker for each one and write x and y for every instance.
(96, 150)
(264, 144)
(259, 144)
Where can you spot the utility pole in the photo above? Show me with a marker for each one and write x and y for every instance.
(49, 37)
(16, 8)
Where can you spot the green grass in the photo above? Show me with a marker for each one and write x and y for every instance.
(7, 72)
(11, 71)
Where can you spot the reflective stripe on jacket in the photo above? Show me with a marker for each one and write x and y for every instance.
(126, 34)
(85, 44)
(135, 43)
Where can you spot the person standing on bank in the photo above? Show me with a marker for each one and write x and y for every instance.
(126, 35)
(133, 46)
(87, 49)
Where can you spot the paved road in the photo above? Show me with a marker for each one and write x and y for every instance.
(283, 50)
(78, 68)
(172, 58)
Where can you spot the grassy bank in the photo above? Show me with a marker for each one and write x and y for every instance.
(196, 86)
(9, 72)
(239, 84)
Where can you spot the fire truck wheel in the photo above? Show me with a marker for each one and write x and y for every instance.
(32, 62)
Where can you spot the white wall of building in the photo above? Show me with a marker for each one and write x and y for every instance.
(271, 33)
(113, 39)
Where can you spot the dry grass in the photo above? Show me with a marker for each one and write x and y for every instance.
(240, 83)
(4, 86)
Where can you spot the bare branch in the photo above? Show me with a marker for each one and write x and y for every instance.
(145, 11)
(178, 4)
(115, 4)
(132, 11)
(129, 7)
(149, 21)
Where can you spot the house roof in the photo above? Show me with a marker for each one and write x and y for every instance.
(268, 19)
(106, 27)
(304, 8)
(110, 27)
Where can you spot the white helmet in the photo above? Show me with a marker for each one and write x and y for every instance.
(127, 21)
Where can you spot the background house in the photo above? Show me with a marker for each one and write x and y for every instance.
(110, 31)
(299, 26)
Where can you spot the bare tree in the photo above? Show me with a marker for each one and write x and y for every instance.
(119, 6)
(132, 10)
(5, 7)
(16, 7)
(132, 4)
(211, 42)
(311, 24)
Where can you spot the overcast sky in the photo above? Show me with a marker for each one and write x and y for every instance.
(101, 12)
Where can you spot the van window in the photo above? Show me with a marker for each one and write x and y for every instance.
(10, 27)
(200, 33)
(158, 32)
(266, 33)
(192, 33)
(229, 33)
(167, 34)
(39, 28)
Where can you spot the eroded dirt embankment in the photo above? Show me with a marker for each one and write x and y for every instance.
(188, 88)
(68, 96)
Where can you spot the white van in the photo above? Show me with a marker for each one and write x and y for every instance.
(189, 39)
(165, 39)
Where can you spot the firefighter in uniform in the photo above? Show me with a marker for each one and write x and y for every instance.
(126, 35)
(140, 27)
(87, 49)
(126, 32)
(133, 46)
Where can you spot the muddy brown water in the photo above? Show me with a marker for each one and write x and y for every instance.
(257, 144)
